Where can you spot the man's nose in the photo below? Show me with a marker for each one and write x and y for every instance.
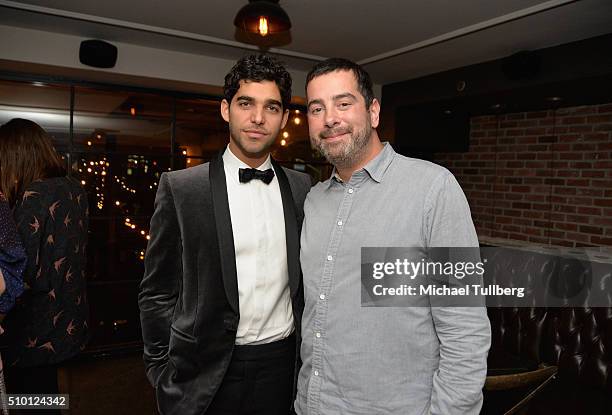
(331, 118)
(257, 115)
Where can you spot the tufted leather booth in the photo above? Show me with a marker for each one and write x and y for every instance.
(576, 339)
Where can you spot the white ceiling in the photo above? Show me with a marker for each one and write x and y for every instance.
(395, 40)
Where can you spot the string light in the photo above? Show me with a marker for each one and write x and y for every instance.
(137, 165)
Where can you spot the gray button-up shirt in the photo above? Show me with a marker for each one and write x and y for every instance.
(398, 360)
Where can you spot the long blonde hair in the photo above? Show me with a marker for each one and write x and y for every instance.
(26, 155)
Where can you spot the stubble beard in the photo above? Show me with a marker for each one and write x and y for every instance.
(344, 155)
(237, 139)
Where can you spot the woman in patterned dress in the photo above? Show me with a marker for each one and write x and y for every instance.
(48, 325)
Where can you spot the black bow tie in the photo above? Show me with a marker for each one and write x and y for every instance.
(246, 175)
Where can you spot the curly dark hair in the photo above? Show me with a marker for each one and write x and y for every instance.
(258, 68)
(364, 81)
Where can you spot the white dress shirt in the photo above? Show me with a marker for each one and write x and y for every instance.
(258, 227)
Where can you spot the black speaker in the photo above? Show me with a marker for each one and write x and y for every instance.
(98, 53)
(521, 65)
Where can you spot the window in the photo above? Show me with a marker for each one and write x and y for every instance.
(120, 142)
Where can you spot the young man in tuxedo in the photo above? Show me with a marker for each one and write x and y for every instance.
(221, 298)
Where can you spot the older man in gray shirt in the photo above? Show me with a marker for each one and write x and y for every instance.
(379, 360)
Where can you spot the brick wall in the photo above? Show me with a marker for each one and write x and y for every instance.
(543, 177)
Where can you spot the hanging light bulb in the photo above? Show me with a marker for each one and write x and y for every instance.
(262, 17)
(263, 26)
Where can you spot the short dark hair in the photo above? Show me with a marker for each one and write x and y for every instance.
(258, 68)
(364, 82)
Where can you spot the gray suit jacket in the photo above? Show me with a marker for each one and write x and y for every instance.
(189, 293)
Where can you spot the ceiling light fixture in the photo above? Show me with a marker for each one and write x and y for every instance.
(262, 17)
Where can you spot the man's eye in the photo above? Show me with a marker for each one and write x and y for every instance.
(315, 110)
(244, 104)
(344, 104)
(273, 108)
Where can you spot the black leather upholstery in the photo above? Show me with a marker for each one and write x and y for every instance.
(576, 339)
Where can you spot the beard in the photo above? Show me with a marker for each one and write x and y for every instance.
(344, 154)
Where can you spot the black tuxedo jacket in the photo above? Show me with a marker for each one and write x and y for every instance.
(189, 293)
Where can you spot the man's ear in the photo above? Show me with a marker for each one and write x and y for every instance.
(285, 118)
(225, 108)
(374, 113)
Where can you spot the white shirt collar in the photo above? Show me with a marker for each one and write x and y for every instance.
(233, 163)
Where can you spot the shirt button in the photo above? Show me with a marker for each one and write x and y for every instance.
(322, 296)
(318, 335)
(339, 223)
(350, 191)
(329, 257)
(316, 373)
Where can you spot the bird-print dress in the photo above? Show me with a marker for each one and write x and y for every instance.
(48, 325)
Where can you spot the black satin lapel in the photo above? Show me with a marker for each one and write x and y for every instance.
(225, 236)
(291, 229)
